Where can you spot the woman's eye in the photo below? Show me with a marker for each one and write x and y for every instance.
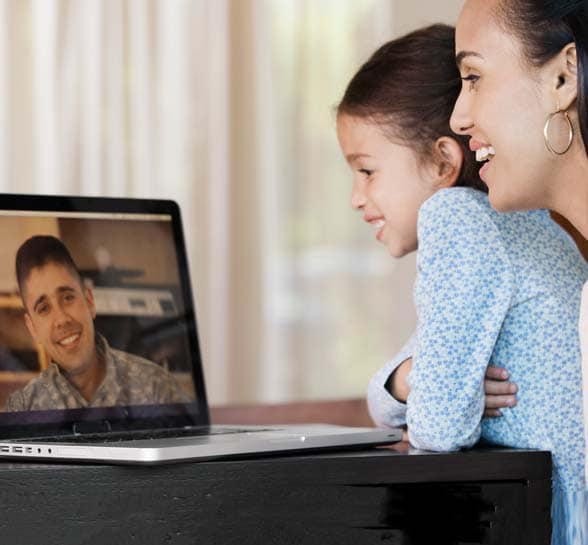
(473, 79)
(366, 172)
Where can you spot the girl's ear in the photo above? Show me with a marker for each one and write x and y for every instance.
(448, 159)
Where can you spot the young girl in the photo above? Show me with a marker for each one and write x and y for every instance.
(491, 288)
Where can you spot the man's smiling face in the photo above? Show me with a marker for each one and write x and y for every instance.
(60, 316)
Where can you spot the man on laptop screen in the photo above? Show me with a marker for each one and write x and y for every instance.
(84, 371)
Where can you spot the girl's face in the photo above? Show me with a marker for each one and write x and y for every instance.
(389, 182)
(503, 104)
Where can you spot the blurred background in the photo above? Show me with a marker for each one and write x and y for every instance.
(225, 106)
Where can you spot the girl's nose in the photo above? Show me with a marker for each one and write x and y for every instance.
(358, 197)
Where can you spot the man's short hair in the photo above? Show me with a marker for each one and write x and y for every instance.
(39, 251)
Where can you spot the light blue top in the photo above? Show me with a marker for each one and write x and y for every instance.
(505, 289)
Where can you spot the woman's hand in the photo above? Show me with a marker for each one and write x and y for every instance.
(499, 393)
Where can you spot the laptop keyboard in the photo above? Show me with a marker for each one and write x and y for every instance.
(112, 437)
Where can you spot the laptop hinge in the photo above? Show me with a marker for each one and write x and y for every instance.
(100, 426)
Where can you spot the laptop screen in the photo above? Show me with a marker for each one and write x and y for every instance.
(97, 325)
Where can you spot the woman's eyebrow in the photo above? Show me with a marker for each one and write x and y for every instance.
(463, 55)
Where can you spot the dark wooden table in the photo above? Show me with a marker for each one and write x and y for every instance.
(392, 496)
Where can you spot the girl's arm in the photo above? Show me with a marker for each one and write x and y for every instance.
(499, 393)
(464, 290)
(385, 409)
(389, 389)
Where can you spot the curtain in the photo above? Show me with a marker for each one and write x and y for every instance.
(227, 107)
(329, 305)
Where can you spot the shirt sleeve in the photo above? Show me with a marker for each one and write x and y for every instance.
(169, 391)
(463, 292)
(15, 402)
(386, 411)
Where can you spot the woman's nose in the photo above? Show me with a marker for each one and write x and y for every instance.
(461, 121)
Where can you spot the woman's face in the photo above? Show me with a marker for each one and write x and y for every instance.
(503, 104)
(389, 183)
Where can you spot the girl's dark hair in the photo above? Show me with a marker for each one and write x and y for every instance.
(545, 27)
(409, 87)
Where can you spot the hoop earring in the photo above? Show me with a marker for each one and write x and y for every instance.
(570, 132)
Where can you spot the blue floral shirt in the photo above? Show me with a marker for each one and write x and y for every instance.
(499, 288)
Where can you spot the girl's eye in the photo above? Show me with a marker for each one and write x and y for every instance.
(473, 79)
(366, 172)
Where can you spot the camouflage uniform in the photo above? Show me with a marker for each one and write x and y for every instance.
(129, 380)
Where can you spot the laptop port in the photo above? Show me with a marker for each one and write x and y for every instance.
(17, 449)
(5, 448)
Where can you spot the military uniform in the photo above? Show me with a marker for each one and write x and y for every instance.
(129, 380)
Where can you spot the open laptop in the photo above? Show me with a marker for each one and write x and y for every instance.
(105, 365)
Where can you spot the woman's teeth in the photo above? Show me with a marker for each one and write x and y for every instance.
(484, 153)
(378, 224)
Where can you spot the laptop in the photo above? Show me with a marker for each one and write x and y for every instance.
(99, 352)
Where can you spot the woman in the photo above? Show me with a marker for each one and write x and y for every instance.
(524, 103)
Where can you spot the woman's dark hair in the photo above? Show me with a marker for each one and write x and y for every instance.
(409, 87)
(545, 27)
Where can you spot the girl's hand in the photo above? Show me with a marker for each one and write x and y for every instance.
(397, 383)
(499, 393)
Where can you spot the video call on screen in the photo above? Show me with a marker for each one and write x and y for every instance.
(130, 265)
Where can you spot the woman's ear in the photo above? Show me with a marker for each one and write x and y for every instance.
(448, 159)
(564, 77)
